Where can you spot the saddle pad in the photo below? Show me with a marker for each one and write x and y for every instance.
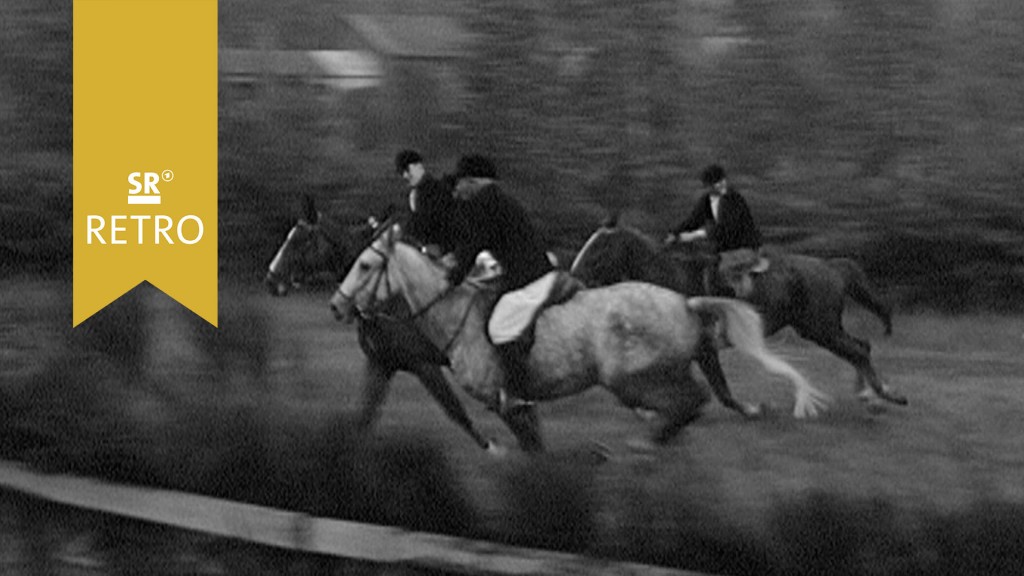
(515, 311)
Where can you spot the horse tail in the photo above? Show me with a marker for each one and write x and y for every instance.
(744, 330)
(859, 289)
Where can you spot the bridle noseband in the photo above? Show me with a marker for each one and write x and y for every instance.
(383, 275)
(371, 315)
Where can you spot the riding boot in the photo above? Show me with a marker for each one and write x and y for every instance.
(514, 356)
(712, 286)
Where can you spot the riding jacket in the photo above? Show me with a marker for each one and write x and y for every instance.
(497, 223)
(733, 229)
(431, 222)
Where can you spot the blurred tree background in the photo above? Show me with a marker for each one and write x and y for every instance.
(888, 132)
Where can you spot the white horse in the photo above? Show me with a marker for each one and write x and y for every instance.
(637, 340)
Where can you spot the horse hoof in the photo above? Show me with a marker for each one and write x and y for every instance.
(752, 412)
(875, 407)
(642, 445)
(867, 395)
(600, 451)
(806, 411)
(890, 396)
(897, 399)
(496, 450)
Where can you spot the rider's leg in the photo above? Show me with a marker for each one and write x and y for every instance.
(514, 359)
(510, 328)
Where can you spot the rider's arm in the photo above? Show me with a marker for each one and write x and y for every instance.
(473, 238)
(698, 234)
(736, 222)
(693, 227)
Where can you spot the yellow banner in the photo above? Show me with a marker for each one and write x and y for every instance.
(145, 152)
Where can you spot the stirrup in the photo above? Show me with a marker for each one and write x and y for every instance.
(508, 404)
(761, 266)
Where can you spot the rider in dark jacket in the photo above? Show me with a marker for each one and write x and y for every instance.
(431, 204)
(721, 216)
(496, 223)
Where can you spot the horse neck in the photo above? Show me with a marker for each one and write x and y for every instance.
(649, 263)
(664, 270)
(282, 258)
(420, 281)
(440, 311)
(338, 241)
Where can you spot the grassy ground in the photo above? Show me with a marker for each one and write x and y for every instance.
(243, 411)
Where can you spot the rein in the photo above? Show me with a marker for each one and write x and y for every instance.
(415, 314)
(441, 296)
(376, 284)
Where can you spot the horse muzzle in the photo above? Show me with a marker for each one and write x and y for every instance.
(344, 309)
(275, 284)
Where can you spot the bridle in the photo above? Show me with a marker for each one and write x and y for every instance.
(300, 250)
(383, 275)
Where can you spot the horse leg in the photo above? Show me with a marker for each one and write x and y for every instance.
(858, 353)
(860, 290)
(673, 397)
(684, 407)
(707, 359)
(678, 419)
(376, 382)
(860, 387)
(438, 386)
(522, 420)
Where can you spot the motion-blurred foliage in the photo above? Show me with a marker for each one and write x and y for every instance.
(886, 131)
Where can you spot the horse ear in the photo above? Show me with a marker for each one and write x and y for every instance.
(394, 234)
(611, 221)
(309, 213)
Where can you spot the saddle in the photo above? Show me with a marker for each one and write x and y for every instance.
(738, 268)
(516, 312)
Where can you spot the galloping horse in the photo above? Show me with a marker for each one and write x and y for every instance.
(316, 245)
(804, 292)
(637, 340)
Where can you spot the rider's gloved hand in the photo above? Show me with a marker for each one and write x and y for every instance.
(432, 250)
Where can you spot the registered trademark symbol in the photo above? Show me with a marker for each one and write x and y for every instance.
(167, 175)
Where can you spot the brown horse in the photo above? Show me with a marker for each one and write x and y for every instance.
(637, 340)
(319, 246)
(804, 292)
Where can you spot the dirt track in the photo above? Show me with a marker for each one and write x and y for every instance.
(954, 444)
(957, 442)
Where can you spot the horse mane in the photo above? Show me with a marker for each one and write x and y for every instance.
(645, 240)
(436, 269)
(627, 252)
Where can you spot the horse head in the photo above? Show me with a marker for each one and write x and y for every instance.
(737, 268)
(617, 253)
(602, 260)
(293, 259)
(387, 268)
(316, 247)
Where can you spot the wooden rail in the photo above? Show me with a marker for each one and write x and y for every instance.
(301, 532)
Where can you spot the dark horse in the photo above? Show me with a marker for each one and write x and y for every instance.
(317, 246)
(804, 292)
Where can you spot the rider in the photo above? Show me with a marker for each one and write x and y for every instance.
(722, 217)
(430, 202)
(500, 225)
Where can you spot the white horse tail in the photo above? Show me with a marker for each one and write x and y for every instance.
(743, 330)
